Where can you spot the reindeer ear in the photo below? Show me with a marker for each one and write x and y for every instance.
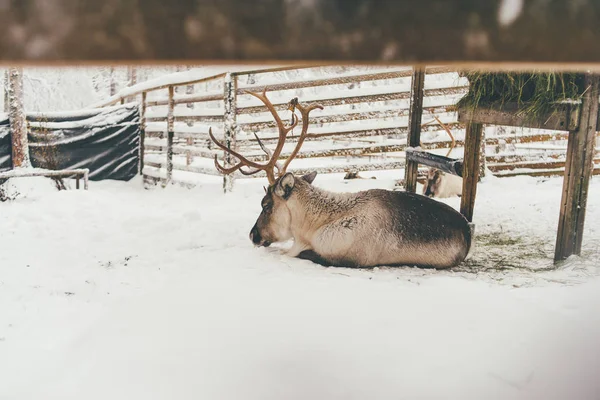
(310, 177)
(285, 185)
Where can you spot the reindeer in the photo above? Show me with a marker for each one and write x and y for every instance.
(365, 229)
(440, 184)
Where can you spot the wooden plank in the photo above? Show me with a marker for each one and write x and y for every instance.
(33, 172)
(181, 31)
(342, 167)
(470, 169)
(532, 165)
(449, 165)
(324, 82)
(539, 173)
(17, 119)
(578, 168)
(564, 117)
(414, 127)
(381, 113)
(142, 150)
(364, 77)
(334, 99)
(199, 118)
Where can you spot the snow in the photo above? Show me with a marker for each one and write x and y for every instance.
(120, 292)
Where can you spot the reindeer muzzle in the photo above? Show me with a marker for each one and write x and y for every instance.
(257, 239)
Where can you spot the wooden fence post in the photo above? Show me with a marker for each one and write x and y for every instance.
(18, 120)
(578, 169)
(6, 100)
(411, 168)
(470, 171)
(229, 127)
(142, 132)
(170, 134)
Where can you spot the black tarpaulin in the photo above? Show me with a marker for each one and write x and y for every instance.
(5, 146)
(106, 141)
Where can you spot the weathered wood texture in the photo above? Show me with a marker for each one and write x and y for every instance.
(578, 169)
(18, 121)
(470, 171)
(5, 90)
(143, 108)
(564, 117)
(414, 127)
(374, 30)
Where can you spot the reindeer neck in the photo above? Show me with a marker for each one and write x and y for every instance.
(311, 207)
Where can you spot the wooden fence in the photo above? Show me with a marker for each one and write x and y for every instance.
(363, 126)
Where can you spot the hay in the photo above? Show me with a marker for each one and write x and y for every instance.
(534, 93)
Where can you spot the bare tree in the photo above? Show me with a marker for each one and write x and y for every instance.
(18, 121)
(132, 77)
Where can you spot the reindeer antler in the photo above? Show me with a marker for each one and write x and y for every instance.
(449, 132)
(273, 156)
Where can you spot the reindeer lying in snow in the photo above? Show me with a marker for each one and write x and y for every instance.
(440, 184)
(364, 229)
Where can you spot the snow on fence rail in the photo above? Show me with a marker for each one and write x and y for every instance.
(363, 126)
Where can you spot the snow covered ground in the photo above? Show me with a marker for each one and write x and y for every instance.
(126, 293)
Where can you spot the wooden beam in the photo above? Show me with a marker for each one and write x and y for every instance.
(18, 120)
(470, 169)
(446, 164)
(563, 117)
(34, 172)
(409, 31)
(578, 169)
(414, 127)
(143, 120)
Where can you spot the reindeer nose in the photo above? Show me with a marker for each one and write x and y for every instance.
(255, 236)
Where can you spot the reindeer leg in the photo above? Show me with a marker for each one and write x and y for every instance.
(314, 257)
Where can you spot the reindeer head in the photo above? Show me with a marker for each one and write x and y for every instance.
(274, 222)
(433, 183)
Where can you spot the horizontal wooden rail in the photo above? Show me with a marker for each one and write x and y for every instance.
(35, 172)
(349, 78)
(446, 164)
(353, 97)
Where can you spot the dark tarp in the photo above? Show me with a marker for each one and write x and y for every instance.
(105, 140)
(5, 146)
